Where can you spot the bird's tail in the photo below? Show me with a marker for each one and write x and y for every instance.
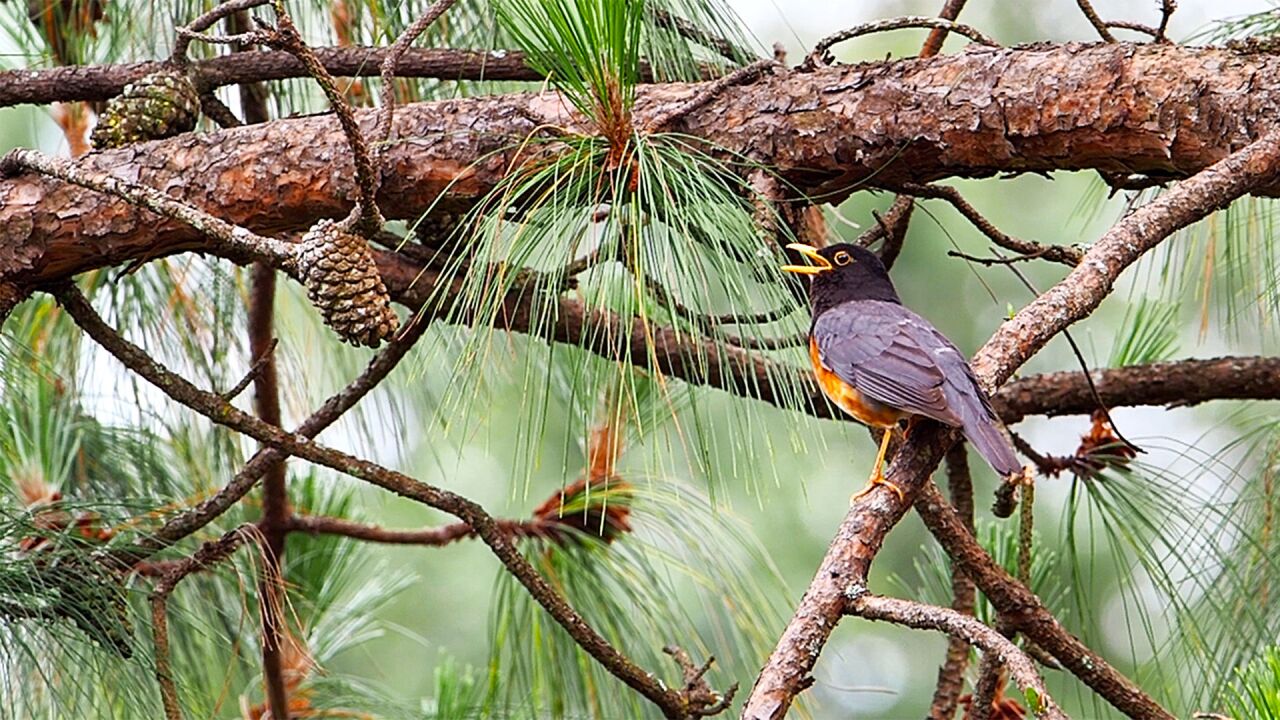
(989, 438)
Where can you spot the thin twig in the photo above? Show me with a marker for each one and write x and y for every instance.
(998, 260)
(1167, 8)
(216, 110)
(1054, 253)
(224, 236)
(365, 217)
(708, 702)
(710, 91)
(689, 31)
(258, 364)
(1096, 21)
(244, 39)
(767, 343)
(820, 55)
(893, 228)
(207, 555)
(674, 704)
(1134, 26)
(710, 323)
(993, 644)
(933, 44)
(387, 71)
(204, 22)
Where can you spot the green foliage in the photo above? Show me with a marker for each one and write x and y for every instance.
(684, 577)
(589, 48)
(1255, 692)
(1148, 333)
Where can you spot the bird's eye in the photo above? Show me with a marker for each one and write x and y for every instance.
(842, 258)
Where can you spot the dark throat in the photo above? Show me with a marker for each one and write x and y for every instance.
(849, 284)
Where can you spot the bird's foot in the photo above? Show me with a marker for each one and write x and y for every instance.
(877, 479)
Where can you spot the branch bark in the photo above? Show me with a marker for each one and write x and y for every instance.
(1161, 110)
(967, 628)
(1176, 383)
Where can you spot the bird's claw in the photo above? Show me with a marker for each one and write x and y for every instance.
(877, 479)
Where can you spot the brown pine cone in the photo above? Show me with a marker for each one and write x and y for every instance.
(342, 282)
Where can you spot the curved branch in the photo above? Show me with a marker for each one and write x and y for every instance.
(966, 628)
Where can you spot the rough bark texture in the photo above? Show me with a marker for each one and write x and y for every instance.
(1185, 382)
(1150, 109)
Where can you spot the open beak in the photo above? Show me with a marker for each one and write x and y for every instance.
(821, 264)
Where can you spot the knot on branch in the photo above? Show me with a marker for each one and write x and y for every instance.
(342, 281)
(160, 105)
(697, 697)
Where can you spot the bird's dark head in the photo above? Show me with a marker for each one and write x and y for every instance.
(840, 273)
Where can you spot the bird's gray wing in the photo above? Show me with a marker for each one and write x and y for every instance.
(890, 355)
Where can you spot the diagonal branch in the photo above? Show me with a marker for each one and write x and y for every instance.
(966, 628)
(674, 704)
(195, 518)
(864, 528)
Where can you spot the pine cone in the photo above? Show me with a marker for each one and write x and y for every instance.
(343, 283)
(159, 105)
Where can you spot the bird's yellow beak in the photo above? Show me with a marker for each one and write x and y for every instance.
(822, 264)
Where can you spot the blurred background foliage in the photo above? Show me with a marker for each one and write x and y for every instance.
(1165, 566)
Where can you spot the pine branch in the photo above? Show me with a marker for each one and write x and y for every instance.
(965, 627)
(674, 704)
(193, 519)
(206, 556)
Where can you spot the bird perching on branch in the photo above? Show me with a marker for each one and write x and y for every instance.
(885, 365)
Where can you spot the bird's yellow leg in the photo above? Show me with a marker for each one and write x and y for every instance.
(877, 473)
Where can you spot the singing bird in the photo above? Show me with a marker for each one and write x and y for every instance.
(885, 365)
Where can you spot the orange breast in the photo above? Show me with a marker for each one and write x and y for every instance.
(847, 397)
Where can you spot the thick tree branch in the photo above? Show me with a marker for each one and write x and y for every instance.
(1119, 108)
(1175, 383)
